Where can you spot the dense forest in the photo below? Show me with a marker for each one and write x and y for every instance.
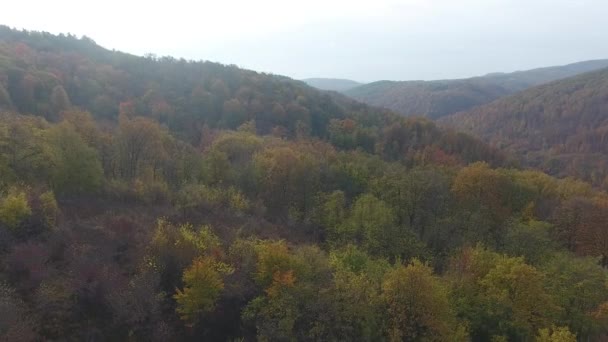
(560, 127)
(156, 199)
(436, 99)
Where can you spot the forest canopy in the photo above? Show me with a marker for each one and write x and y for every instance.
(147, 198)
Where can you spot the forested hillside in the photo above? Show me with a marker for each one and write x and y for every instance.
(436, 99)
(333, 84)
(560, 127)
(154, 199)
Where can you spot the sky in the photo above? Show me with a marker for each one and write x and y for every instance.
(360, 40)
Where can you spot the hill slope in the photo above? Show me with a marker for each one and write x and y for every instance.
(435, 99)
(333, 84)
(561, 127)
(43, 74)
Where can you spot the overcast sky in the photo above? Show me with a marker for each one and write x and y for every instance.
(360, 40)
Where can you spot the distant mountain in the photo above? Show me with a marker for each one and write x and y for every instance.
(334, 84)
(561, 127)
(435, 99)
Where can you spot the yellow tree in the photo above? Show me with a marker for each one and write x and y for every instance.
(203, 284)
(418, 306)
(517, 293)
(141, 145)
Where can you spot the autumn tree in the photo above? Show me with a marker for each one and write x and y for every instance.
(288, 180)
(418, 306)
(555, 334)
(23, 148)
(203, 284)
(173, 247)
(141, 146)
(14, 208)
(483, 197)
(500, 295)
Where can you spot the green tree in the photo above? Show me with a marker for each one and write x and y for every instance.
(531, 239)
(517, 293)
(77, 168)
(356, 310)
(333, 210)
(579, 286)
(372, 225)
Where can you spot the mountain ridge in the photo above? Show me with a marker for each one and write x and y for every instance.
(332, 84)
(435, 99)
(559, 127)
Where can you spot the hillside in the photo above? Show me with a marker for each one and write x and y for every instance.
(332, 84)
(42, 74)
(155, 199)
(559, 127)
(435, 99)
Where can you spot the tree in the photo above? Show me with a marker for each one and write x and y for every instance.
(5, 99)
(233, 114)
(333, 211)
(419, 198)
(203, 284)
(580, 226)
(287, 180)
(59, 100)
(77, 168)
(531, 239)
(482, 195)
(15, 320)
(141, 146)
(49, 208)
(372, 225)
(356, 310)
(516, 291)
(23, 148)
(580, 287)
(290, 304)
(14, 208)
(418, 306)
(592, 235)
(173, 247)
(500, 295)
(555, 334)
